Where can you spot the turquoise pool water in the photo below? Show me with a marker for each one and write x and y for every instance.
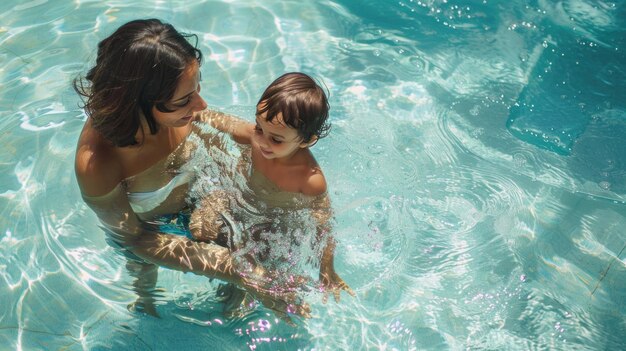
(477, 167)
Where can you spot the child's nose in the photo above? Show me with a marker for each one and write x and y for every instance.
(265, 141)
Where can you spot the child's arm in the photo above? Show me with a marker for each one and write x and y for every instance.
(331, 281)
(240, 130)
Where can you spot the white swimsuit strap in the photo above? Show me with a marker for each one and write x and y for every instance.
(142, 202)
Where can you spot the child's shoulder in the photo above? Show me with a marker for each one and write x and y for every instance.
(314, 183)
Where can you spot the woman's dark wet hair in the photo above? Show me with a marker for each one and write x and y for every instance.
(302, 102)
(137, 67)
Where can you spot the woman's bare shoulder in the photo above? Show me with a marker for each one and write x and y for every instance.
(98, 169)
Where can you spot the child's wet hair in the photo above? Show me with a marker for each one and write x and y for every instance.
(302, 102)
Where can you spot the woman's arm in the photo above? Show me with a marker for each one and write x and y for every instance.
(168, 250)
(180, 253)
(99, 175)
(240, 130)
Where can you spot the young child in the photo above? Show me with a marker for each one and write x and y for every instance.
(291, 116)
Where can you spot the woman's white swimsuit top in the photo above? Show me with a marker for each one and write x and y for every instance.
(142, 202)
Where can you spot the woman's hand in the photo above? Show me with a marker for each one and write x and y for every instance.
(284, 300)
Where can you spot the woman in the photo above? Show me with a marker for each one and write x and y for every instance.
(141, 98)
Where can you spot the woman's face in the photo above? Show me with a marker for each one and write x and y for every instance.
(185, 102)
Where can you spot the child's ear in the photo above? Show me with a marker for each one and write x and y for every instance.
(310, 143)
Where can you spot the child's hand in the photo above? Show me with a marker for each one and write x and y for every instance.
(331, 282)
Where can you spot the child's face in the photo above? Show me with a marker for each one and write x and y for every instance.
(274, 139)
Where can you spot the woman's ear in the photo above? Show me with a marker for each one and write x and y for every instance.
(311, 142)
